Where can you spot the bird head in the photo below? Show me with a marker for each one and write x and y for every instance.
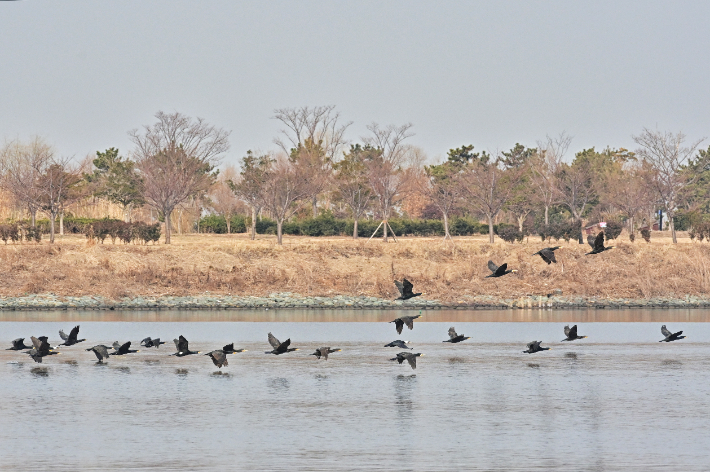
(338, 350)
(514, 270)
(557, 247)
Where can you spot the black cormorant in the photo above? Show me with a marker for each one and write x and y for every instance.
(400, 344)
(534, 347)
(101, 352)
(548, 254)
(405, 290)
(404, 320)
(571, 333)
(182, 347)
(229, 349)
(670, 336)
(409, 357)
(18, 345)
(71, 339)
(498, 271)
(219, 358)
(597, 244)
(41, 348)
(279, 347)
(324, 351)
(455, 338)
(122, 349)
(149, 342)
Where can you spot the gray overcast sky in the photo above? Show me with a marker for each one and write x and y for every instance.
(83, 73)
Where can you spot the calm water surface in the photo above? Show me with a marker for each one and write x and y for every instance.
(617, 400)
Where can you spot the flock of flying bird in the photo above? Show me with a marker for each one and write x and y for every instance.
(41, 348)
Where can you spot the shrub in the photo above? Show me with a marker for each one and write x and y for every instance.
(645, 234)
(613, 229)
(509, 233)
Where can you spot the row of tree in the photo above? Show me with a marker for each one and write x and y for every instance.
(174, 163)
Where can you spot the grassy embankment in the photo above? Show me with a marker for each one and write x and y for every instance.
(233, 264)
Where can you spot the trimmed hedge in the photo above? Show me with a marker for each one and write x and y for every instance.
(327, 225)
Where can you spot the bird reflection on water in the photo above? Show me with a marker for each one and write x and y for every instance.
(181, 372)
(40, 372)
(571, 355)
(674, 363)
(404, 386)
(277, 384)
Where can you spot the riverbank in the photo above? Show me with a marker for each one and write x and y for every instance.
(295, 301)
(211, 271)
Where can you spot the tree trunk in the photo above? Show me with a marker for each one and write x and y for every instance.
(446, 226)
(521, 220)
(226, 217)
(355, 229)
(168, 226)
(631, 225)
(547, 217)
(671, 223)
(61, 224)
(279, 233)
(52, 217)
(315, 206)
(33, 214)
(581, 236)
(179, 221)
(253, 223)
(384, 228)
(491, 236)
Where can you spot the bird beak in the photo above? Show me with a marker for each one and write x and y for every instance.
(245, 350)
(422, 355)
(297, 349)
(514, 270)
(341, 349)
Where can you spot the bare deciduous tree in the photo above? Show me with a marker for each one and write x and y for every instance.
(544, 169)
(222, 198)
(575, 189)
(629, 191)
(667, 154)
(286, 186)
(313, 137)
(443, 189)
(488, 186)
(57, 183)
(22, 166)
(176, 158)
(388, 171)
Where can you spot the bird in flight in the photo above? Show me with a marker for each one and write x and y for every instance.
(454, 337)
(498, 271)
(571, 333)
(404, 320)
(670, 336)
(597, 244)
(324, 351)
(548, 254)
(405, 290)
(409, 357)
(279, 347)
(72, 338)
(534, 347)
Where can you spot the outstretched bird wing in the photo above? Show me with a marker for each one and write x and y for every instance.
(116, 345)
(228, 347)
(146, 341)
(531, 345)
(273, 341)
(182, 344)
(665, 332)
(283, 347)
(101, 352)
(572, 332)
(400, 287)
(409, 321)
(399, 324)
(567, 331)
(324, 352)
(36, 343)
(219, 358)
(675, 335)
(548, 255)
(590, 240)
(74, 333)
(18, 342)
(177, 344)
(501, 270)
(537, 345)
(407, 287)
(452, 333)
(156, 342)
(63, 335)
(492, 266)
(412, 361)
(599, 241)
(124, 348)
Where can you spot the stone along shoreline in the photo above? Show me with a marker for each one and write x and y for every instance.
(296, 301)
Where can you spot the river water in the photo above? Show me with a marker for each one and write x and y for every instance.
(616, 400)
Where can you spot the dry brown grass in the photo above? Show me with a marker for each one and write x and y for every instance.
(222, 264)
